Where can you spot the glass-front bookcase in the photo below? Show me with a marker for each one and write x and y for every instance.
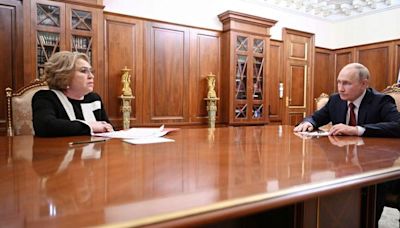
(249, 82)
(61, 26)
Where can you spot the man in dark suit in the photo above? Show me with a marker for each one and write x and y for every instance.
(360, 111)
(356, 109)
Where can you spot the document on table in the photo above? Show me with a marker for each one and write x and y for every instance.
(140, 135)
(148, 140)
(314, 133)
(137, 133)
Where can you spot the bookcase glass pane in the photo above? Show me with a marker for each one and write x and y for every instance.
(241, 43)
(258, 46)
(82, 44)
(258, 73)
(257, 111)
(48, 15)
(47, 44)
(241, 77)
(81, 20)
(240, 111)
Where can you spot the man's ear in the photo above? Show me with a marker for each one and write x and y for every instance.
(365, 83)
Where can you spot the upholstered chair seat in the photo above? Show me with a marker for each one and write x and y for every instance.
(394, 91)
(319, 103)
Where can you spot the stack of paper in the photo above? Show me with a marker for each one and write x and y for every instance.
(314, 133)
(148, 140)
(140, 135)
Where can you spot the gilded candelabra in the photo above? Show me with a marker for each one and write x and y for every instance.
(211, 100)
(126, 98)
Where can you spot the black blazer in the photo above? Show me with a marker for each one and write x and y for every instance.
(51, 120)
(377, 114)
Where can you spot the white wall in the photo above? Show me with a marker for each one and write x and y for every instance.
(204, 14)
(368, 29)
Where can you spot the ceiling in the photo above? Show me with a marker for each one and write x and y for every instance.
(332, 10)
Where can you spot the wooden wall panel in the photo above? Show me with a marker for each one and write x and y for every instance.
(275, 78)
(297, 90)
(166, 80)
(377, 58)
(204, 59)
(324, 78)
(342, 58)
(226, 91)
(123, 50)
(296, 117)
(397, 61)
(126, 39)
(340, 210)
(11, 47)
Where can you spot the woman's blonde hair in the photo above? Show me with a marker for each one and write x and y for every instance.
(58, 70)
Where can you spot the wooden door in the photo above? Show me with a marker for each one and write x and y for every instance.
(299, 54)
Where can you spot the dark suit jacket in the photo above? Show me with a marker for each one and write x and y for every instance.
(377, 114)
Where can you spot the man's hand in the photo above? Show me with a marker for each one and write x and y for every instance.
(305, 126)
(343, 129)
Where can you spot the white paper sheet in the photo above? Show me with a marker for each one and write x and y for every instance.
(148, 140)
(314, 133)
(136, 133)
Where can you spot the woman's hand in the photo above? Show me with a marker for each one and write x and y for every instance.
(100, 126)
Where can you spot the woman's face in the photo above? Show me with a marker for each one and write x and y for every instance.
(82, 81)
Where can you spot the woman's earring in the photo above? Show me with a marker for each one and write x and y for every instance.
(67, 87)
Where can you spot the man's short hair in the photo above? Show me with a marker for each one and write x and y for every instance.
(363, 72)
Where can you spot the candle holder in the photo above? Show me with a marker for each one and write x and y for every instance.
(126, 98)
(211, 100)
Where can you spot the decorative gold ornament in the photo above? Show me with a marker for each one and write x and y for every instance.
(126, 82)
(211, 86)
(126, 98)
(211, 100)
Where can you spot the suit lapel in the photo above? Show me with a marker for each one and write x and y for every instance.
(363, 110)
(343, 111)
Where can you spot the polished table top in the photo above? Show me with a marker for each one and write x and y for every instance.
(205, 174)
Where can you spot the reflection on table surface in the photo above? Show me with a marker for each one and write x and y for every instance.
(46, 181)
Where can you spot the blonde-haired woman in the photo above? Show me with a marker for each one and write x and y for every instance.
(70, 107)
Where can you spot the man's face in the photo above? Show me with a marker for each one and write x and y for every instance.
(350, 87)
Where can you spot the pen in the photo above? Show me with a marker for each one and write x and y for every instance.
(86, 142)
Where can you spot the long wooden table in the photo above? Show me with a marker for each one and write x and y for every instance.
(207, 176)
